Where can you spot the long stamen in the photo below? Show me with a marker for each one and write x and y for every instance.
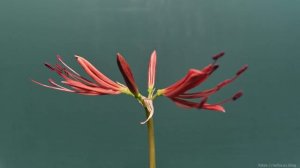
(81, 79)
(52, 87)
(60, 60)
(51, 81)
(218, 56)
(242, 70)
(49, 66)
(94, 73)
(233, 98)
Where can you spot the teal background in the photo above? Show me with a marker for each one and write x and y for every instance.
(42, 128)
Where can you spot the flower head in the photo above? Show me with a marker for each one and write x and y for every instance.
(100, 85)
(179, 91)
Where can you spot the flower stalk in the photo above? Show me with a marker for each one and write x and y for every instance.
(151, 141)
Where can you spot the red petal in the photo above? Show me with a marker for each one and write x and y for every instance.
(152, 70)
(214, 107)
(184, 103)
(188, 104)
(89, 88)
(192, 79)
(60, 60)
(211, 91)
(97, 75)
(208, 92)
(127, 74)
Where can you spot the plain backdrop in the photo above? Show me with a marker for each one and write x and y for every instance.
(42, 128)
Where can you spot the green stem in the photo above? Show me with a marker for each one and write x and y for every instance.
(151, 141)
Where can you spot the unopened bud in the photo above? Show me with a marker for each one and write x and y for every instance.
(217, 56)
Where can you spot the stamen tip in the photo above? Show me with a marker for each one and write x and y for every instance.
(49, 66)
(242, 70)
(237, 95)
(58, 57)
(217, 56)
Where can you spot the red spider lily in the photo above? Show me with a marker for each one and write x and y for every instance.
(178, 92)
(101, 85)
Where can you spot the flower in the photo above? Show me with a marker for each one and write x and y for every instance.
(179, 91)
(101, 84)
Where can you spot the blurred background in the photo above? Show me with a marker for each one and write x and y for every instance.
(42, 128)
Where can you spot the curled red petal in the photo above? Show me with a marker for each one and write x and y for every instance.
(201, 105)
(69, 68)
(211, 91)
(208, 92)
(189, 104)
(192, 79)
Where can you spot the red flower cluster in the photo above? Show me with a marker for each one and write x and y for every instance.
(177, 92)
